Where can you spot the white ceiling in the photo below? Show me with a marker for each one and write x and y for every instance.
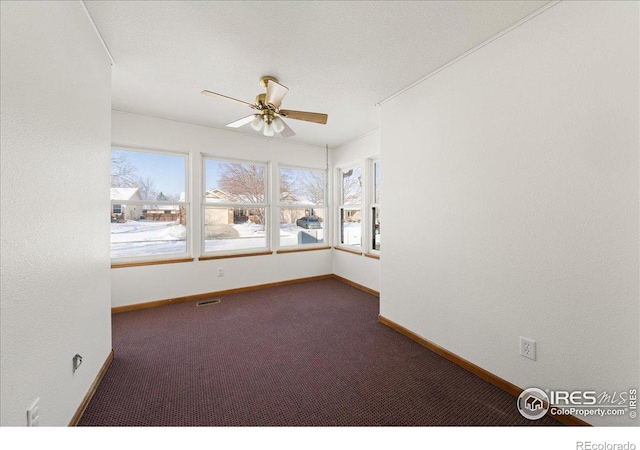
(336, 57)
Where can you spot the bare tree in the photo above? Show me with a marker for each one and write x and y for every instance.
(299, 185)
(352, 187)
(172, 197)
(286, 188)
(146, 187)
(313, 186)
(302, 189)
(245, 183)
(123, 174)
(286, 184)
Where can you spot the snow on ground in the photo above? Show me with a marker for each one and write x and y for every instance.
(352, 233)
(137, 231)
(141, 238)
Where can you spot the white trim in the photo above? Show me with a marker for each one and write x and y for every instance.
(369, 233)
(359, 164)
(326, 229)
(133, 148)
(148, 202)
(186, 203)
(339, 242)
(95, 28)
(375, 130)
(266, 205)
(230, 130)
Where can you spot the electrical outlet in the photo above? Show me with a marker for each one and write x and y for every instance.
(33, 414)
(528, 348)
(220, 271)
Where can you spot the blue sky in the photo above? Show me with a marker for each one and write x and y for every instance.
(166, 171)
(212, 170)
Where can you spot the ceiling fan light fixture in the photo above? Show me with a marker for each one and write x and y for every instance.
(257, 122)
(268, 129)
(278, 125)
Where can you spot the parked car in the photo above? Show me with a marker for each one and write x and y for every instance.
(309, 222)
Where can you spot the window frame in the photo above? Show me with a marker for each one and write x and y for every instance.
(342, 207)
(251, 251)
(324, 206)
(373, 205)
(128, 261)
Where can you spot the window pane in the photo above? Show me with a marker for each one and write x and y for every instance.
(146, 230)
(234, 228)
(376, 181)
(299, 226)
(350, 227)
(301, 187)
(375, 232)
(352, 186)
(228, 182)
(147, 176)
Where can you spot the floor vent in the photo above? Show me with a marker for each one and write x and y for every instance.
(208, 302)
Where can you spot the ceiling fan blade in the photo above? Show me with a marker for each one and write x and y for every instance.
(303, 115)
(245, 120)
(275, 93)
(216, 95)
(287, 132)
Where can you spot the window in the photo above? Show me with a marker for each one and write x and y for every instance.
(375, 206)
(350, 209)
(149, 207)
(235, 206)
(301, 206)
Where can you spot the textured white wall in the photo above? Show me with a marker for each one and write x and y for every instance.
(520, 162)
(149, 283)
(55, 288)
(359, 269)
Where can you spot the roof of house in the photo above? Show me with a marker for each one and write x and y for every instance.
(119, 193)
(220, 196)
(217, 195)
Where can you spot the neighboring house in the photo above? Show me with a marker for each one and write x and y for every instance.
(122, 210)
(300, 207)
(218, 216)
(222, 215)
(166, 213)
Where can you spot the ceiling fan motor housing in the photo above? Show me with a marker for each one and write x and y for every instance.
(261, 100)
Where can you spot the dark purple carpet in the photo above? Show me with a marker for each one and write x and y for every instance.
(308, 354)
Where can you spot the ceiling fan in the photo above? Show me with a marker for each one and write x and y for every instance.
(268, 117)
